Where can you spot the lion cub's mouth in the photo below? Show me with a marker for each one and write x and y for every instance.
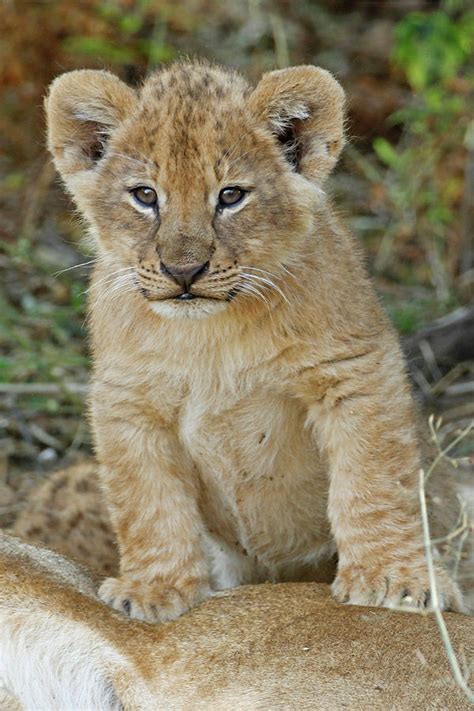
(189, 296)
(186, 296)
(204, 290)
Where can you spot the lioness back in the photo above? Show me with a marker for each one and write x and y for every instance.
(282, 646)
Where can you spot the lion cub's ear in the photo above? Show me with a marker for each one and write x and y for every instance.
(82, 108)
(304, 108)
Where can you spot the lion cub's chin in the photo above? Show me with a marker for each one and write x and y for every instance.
(197, 308)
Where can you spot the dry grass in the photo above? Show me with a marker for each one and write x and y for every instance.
(462, 531)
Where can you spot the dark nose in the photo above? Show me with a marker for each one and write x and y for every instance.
(184, 276)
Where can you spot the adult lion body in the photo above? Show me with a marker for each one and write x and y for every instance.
(283, 646)
(250, 406)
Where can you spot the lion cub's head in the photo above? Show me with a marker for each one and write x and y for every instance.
(198, 188)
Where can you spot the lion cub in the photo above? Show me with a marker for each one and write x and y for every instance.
(250, 408)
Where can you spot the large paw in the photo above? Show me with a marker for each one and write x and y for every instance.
(402, 585)
(151, 602)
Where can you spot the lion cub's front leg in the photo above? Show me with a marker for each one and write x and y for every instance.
(153, 507)
(364, 424)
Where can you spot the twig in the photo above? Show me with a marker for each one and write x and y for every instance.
(460, 389)
(464, 525)
(442, 453)
(453, 662)
(279, 41)
(366, 167)
(461, 542)
(36, 198)
(44, 437)
(430, 359)
(451, 377)
(11, 508)
(467, 205)
(43, 388)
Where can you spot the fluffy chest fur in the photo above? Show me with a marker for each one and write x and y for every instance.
(246, 448)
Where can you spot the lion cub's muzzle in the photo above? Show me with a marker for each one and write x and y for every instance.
(185, 282)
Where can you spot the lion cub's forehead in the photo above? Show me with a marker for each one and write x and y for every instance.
(195, 82)
(191, 112)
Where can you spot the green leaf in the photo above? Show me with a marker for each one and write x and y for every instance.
(100, 48)
(432, 47)
(386, 152)
(131, 24)
(156, 52)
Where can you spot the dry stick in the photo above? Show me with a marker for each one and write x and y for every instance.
(442, 453)
(43, 388)
(461, 528)
(453, 662)
(280, 41)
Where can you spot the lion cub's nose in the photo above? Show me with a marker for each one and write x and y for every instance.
(184, 276)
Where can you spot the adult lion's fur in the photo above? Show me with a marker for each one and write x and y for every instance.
(282, 646)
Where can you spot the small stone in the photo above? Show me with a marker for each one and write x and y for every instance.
(47, 455)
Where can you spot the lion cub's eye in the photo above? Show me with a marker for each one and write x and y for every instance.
(145, 196)
(228, 197)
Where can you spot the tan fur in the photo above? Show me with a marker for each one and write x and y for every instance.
(281, 646)
(246, 434)
(67, 514)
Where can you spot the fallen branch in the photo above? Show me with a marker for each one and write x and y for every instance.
(43, 388)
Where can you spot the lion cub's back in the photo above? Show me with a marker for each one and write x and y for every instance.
(66, 513)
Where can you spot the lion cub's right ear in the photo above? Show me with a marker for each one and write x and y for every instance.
(82, 109)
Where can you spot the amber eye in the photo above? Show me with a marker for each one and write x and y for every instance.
(145, 196)
(228, 197)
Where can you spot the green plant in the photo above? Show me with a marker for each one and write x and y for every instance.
(423, 183)
(135, 36)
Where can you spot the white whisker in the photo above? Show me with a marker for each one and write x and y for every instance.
(109, 277)
(265, 271)
(252, 289)
(287, 271)
(76, 266)
(118, 295)
(121, 282)
(264, 281)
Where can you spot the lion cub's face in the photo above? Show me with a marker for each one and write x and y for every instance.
(198, 189)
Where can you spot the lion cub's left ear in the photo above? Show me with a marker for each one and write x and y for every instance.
(304, 108)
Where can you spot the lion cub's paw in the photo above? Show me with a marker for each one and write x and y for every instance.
(151, 602)
(402, 586)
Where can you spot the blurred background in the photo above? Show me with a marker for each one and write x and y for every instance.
(405, 183)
